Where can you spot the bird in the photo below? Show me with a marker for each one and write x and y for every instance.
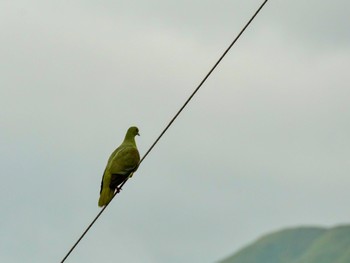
(121, 165)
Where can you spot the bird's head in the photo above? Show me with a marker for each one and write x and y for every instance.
(133, 131)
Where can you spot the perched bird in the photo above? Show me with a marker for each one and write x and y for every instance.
(122, 163)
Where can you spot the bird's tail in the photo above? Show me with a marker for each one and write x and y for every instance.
(105, 196)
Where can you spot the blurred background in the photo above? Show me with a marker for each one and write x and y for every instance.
(264, 145)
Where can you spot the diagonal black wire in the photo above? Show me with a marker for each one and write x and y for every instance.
(169, 124)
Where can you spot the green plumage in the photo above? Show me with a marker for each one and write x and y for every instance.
(122, 163)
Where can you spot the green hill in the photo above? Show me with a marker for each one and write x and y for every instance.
(298, 245)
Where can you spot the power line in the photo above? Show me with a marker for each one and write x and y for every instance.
(169, 124)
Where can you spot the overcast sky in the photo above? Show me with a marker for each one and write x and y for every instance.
(264, 145)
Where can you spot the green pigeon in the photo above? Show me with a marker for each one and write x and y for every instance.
(122, 163)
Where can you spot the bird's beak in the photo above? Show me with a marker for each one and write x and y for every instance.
(138, 134)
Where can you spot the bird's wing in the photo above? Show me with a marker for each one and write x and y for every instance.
(124, 163)
(106, 178)
(103, 178)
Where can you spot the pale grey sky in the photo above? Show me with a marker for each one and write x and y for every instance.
(264, 145)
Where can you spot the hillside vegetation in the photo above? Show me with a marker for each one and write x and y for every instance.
(298, 245)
